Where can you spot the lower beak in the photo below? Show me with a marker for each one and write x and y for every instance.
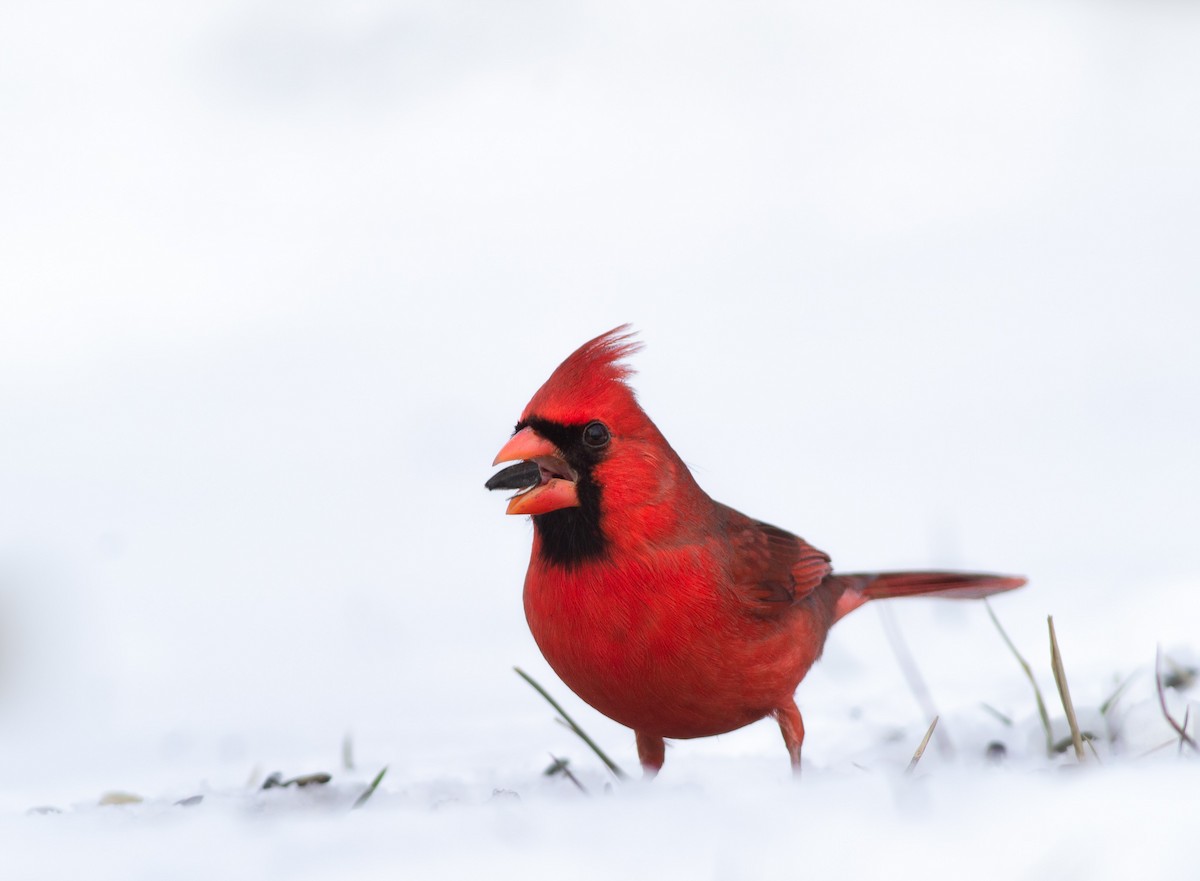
(553, 491)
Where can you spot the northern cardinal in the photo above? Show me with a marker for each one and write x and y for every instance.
(669, 612)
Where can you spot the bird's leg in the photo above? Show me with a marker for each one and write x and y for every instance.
(792, 727)
(651, 752)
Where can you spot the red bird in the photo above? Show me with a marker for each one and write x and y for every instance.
(665, 610)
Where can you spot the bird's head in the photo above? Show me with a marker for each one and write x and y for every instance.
(588, 454)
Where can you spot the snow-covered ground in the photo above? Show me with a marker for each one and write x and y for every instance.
(918, 281)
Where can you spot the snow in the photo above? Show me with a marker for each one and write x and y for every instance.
(991, 825)
(916, 281)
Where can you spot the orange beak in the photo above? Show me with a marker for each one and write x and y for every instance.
(557, 487)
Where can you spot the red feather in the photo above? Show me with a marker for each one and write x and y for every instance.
(591, 380)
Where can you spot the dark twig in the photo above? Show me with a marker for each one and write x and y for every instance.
(1159, 748)
(1184, 737)
(608, 763)
(562, 766)
(1186, 715)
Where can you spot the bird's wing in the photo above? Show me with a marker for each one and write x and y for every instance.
(771, 569)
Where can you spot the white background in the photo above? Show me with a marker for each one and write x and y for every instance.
(918, 281)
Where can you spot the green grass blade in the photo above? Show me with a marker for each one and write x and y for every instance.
(370, 790)
(1037, 692)
(571, 723)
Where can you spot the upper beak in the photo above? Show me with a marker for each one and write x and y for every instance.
(525, 444)
(556, 488)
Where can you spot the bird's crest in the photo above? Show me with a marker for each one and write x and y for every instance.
(590, 384)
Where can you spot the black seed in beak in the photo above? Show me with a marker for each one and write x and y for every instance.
(519, 476)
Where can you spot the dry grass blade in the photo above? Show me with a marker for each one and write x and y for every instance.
(921, 749)
(608, 763)
(255, 776)
(370, 790)
(912, 673)
(1064, 693)
(1184, 737)
(120, 798)
(1037, 692)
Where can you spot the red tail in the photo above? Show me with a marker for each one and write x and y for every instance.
(860, 587)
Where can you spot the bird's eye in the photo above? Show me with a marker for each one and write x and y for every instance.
(595, 434)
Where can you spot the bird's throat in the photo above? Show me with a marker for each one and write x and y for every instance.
(570, 537)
